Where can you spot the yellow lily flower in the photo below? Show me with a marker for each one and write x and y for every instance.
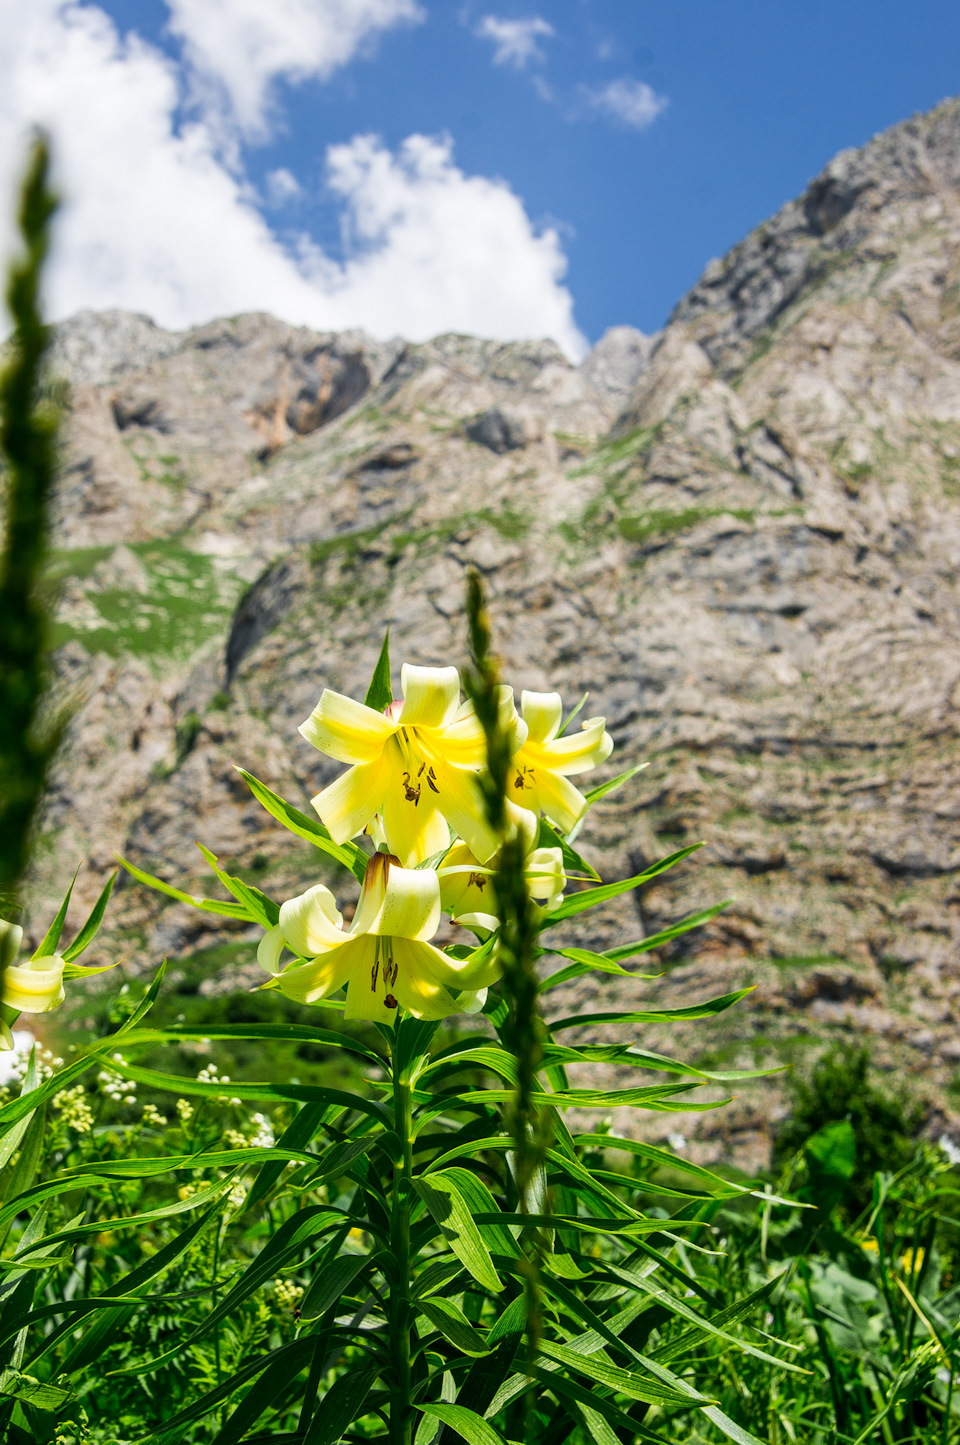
(414, 764)
(466, 885)
(385, 958)
(544, 763)
(35, 986)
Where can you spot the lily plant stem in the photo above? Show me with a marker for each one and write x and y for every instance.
(401, 1408)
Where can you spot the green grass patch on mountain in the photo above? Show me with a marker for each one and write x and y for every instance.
(187, 600)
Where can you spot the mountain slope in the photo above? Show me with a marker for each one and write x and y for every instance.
(741, 536)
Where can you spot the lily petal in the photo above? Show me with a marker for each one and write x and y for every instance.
(270, 948)
(398, 902)
(314, 981)
(462, 805)
(417, 985)
(347, 805)
(346, 730)
(311, 923)
(431, 695)
(557, 799)
(368, 995)
(543, 713)
(35, 987)
(544, 871)
(414, 830)
(581, 751)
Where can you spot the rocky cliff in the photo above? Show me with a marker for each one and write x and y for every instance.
(741, 536)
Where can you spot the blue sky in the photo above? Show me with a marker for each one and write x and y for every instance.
(639, 138)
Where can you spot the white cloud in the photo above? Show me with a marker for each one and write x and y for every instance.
(515, 41)
(155, 221)
(243, 45)
(283, 186)
(631, 102)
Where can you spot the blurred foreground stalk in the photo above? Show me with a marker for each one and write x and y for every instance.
(524, 1033)
(28, 426)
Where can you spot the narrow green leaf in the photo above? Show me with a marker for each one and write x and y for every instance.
(651, 1016)
(270, 1386)
(652, 1096)
(297, 1135)
(347, 854)
(259, 907)
(206, 905)
(592, 1403)
(604, 789)
(452, 1216)
(302, 1093)
(470, 1427)
(576, 902)
(285, 1033)
(91, 925)
(380, 692)
(330, 1284)
(51, 938)
(341, 1405)
(609, 962)
(147, 1002)
(21, 1174)
(624, 1382)
(574, 713)
(453, 1324)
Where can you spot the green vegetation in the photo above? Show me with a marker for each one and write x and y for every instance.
(187, 600)
(660, 523)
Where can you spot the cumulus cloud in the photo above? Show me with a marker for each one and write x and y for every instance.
(243, 45)
(633, 103)
(154, 220)
(515, 41)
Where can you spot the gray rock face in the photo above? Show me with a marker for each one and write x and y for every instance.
(743, 540)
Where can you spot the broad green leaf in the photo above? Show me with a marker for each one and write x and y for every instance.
(576, 902)
(380, 692)
(479, 1200)
(453, 1324)
(347, 854)
(51, 938)
(651, 1016)
(259, 907)
(330, 1284)
(470, 1427)
(223, 909)
(604, 789)
(452, 1216)
(32, 1392)
(89, 930)
(341, 1405)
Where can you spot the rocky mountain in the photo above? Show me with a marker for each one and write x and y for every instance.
(741, 536)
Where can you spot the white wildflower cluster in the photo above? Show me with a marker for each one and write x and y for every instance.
(287, 1293)
(16, 1064)
(74, 1109)
(184, 1111)
(120, 1090)
(234, 1139)
(151, 1115)
(210, 1074)
(237, 1195)
(263, 1136)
